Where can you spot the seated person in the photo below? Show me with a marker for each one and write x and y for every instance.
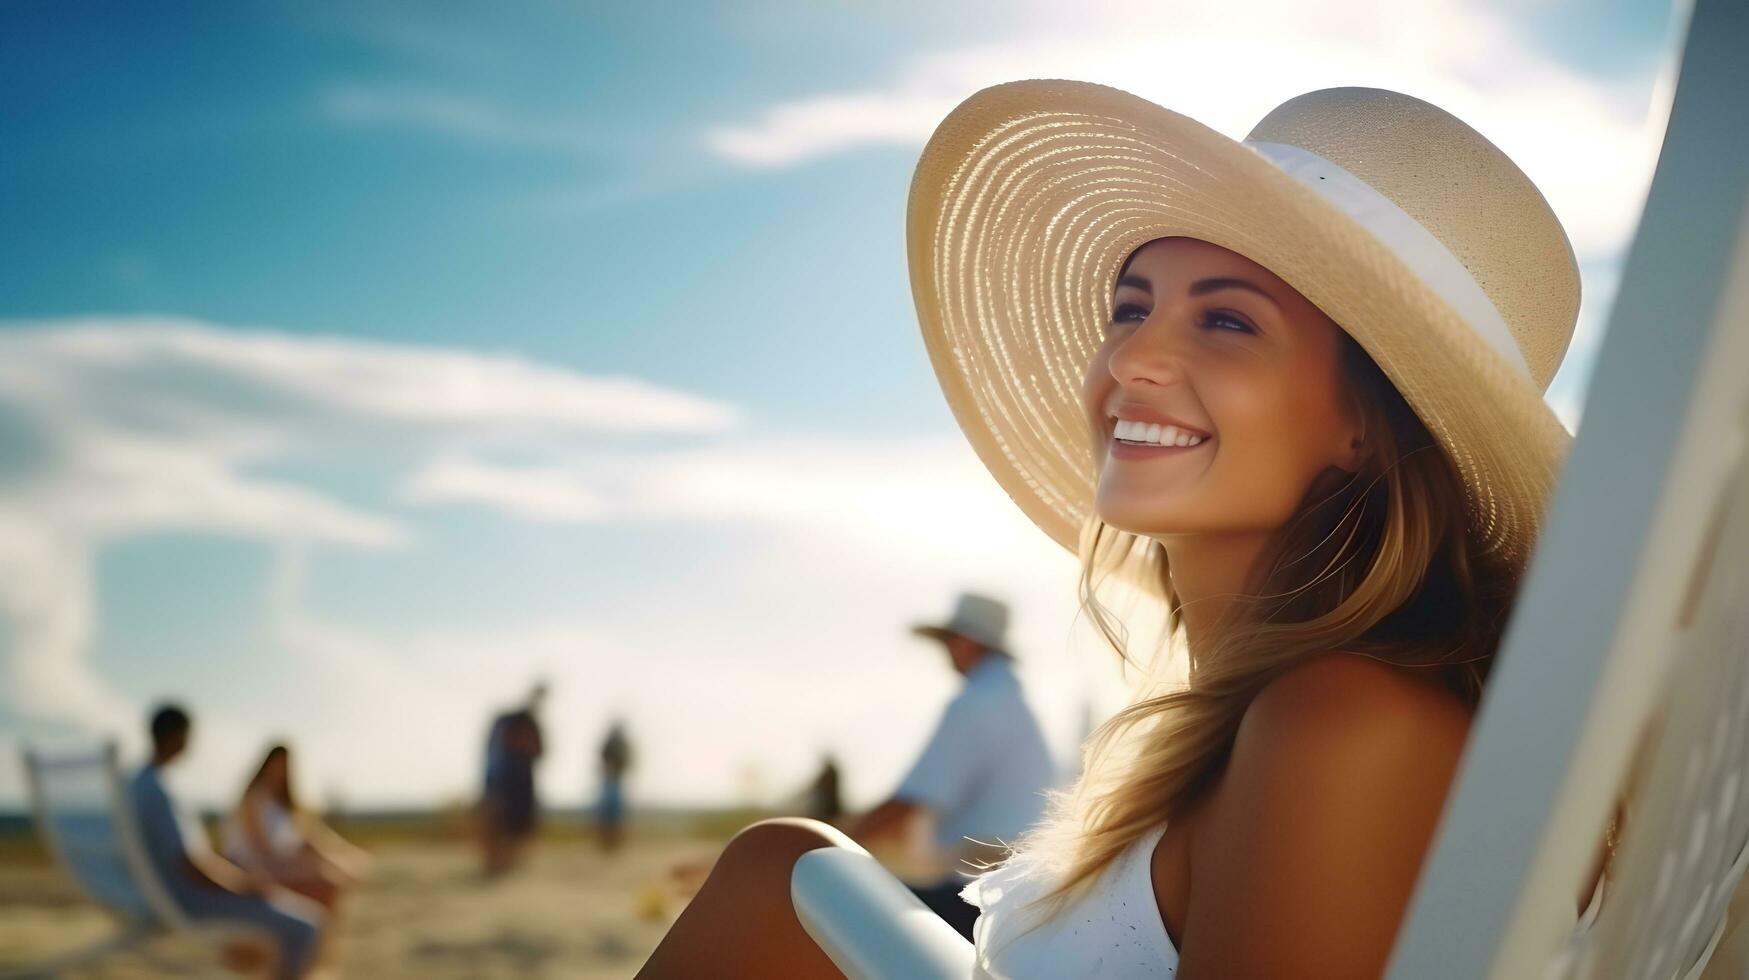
(982, 778)
(204, 885)
(270, 833)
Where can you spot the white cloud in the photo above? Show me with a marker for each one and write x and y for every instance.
(906, 493)
(465, 117)
(535, 495)
(819, 125)
(46, 597)
(112, 483)
(1587, 145)
(393, 383)
(149, 425)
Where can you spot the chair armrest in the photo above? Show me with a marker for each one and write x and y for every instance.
(870, 924)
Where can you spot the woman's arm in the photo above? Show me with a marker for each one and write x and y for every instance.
(339, 854)
(1317, 832)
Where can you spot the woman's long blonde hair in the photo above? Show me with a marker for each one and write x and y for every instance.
(1378, 563)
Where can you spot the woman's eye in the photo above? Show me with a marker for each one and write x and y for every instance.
(1227, 321)
(1128, 313)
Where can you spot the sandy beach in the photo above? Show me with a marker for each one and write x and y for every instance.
(426, 912)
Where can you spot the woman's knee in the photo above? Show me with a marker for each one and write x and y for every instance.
(777, 843)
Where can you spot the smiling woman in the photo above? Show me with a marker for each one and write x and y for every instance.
(1292, 388)
(1317, 518)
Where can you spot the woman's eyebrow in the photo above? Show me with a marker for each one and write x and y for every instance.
(1216, 285)
(1135, 281)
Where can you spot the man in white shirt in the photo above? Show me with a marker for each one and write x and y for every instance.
(983, 775)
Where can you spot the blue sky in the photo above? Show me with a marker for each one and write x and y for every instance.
(534, 183)
(363, 361)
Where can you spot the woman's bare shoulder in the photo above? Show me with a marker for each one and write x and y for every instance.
(1348, 700)
(1344, 733)
(1320, 822)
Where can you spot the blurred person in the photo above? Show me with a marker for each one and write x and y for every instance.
(1307, 421)
(206, 887)
(269, 831)
(610, 807)
(982, 778)
(820, 799)
(825, 803)
(980, 781)
(509, 807)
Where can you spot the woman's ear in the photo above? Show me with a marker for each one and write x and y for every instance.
(1354, 454)
(1357, 450)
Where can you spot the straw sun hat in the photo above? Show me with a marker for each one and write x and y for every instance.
(1404, 225)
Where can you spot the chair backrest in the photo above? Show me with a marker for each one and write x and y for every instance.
(87, 820)
(1623, 672)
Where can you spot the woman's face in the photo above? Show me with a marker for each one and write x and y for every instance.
(1209, 341)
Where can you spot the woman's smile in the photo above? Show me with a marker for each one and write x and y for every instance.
(1152, 441)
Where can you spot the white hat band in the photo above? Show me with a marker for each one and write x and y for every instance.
(1408, 239)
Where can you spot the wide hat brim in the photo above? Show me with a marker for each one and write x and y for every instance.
(943, 633)
(933, 632)
(1024, 205)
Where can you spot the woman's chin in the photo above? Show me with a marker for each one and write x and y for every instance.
(1145, 522)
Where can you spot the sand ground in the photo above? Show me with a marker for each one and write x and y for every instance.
(425, 912)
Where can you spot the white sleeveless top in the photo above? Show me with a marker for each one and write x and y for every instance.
(1111, 931)
(284, 839)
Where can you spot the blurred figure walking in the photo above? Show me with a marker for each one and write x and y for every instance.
(824, 800)
(509, 808)
(610, 808)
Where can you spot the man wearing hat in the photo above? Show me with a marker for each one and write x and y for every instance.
(983, 775)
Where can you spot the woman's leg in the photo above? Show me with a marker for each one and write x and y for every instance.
(741, 923)
(316, 887)
(347, 860)
(305, 874)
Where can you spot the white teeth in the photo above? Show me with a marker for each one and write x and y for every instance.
(1145, 432)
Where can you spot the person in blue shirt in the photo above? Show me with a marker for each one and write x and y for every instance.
(205, 886)
(509, 807)
(610, 809)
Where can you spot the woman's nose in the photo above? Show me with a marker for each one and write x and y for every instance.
(1151, 354)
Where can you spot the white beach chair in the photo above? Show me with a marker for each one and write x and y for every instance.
(87, 823)
(1626, 666)
(1625, 669)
